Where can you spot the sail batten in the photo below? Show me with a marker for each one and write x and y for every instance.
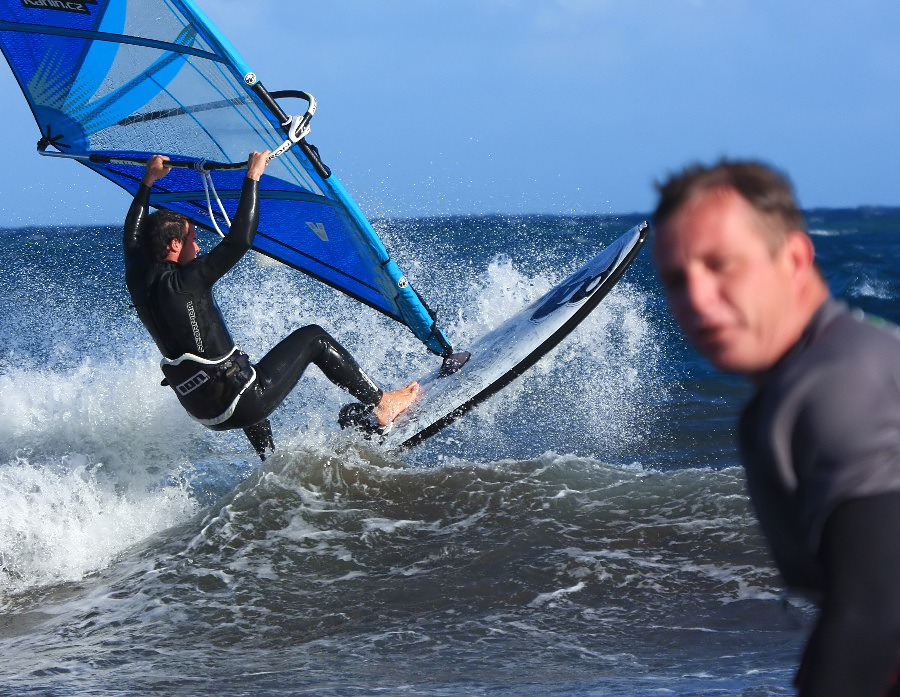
(109, 37)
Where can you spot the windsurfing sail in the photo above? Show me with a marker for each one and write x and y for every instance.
(112, 82)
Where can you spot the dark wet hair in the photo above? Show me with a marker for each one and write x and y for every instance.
(766, 189)
(160, 228)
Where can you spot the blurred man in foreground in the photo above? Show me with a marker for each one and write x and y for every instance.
(820, 439)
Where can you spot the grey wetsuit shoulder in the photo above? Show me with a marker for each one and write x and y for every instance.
(823, 428)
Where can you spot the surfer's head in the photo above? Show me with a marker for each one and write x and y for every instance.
(736, 263)
(172, 236)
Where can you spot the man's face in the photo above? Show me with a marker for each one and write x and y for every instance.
(729, 292)
(189, 248)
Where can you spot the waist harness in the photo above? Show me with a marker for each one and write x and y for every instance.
(209, 390)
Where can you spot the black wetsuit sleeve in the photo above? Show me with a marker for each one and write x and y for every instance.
(131, 233)
(855, 646)
(211, 267)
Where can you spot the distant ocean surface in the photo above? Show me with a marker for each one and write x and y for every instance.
(585, 532)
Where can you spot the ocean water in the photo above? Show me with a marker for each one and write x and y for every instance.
(585, 532)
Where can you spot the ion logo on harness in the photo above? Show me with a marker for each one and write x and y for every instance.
(192, 383)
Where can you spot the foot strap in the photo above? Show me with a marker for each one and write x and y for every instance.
(361, 417)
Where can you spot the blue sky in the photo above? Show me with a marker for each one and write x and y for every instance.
(545, 106)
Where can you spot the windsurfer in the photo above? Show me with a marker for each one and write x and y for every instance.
(171, 288)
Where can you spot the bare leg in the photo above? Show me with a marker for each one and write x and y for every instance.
(394, 403)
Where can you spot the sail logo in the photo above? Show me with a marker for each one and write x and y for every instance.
(64, 5)
(319, 229)
(572, 291)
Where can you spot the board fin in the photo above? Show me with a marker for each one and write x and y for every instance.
(453, 362)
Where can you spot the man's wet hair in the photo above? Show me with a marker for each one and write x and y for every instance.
(160, 228)
(767, 190)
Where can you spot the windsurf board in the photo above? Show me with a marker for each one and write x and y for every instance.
(502, 355)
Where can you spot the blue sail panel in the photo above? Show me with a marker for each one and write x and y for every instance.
(131, 78)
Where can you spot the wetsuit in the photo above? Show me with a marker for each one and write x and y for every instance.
(820, 441)
(215, 381)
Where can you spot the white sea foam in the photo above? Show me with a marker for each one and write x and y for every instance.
(545, 598)
(592, 394)
(92, 442)
(62, 520)
(90, 460)
(872, 288)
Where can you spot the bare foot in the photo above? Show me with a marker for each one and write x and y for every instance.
(395, 403)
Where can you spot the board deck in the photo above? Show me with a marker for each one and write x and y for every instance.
(500, 356)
